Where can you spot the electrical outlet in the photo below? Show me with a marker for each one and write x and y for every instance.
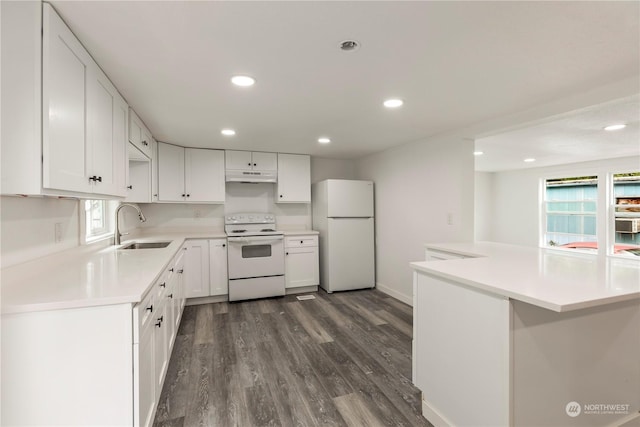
(449, 218)
(57, 232)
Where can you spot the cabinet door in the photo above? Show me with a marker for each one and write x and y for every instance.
(204, 175)
(160, 344)
(218, 267)
(107, 118)
(301, 267)
(139, 188)
(145, 379)
(264, 161)
(294, 178)
(196, 269)
(65, 65)
(170, 173)
(154, 170)
(238, 160)
(139, 135)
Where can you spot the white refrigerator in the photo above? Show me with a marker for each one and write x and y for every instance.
(343, 214)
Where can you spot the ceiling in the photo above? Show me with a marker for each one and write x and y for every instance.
(453, 63)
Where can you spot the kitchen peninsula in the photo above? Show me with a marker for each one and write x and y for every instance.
(511, 335)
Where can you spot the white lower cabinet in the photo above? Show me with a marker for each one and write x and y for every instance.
(197, 268)
(301, 261)
(218, 276)
(206, 268)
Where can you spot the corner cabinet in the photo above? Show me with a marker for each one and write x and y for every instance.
(206, 266)
(190, 175)
(294, 178)
(69, 136)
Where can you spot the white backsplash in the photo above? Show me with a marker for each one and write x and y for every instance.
(240, 197)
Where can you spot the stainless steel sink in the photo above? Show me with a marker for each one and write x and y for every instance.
(146, 245)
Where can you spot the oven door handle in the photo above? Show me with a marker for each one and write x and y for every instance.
(255, 240)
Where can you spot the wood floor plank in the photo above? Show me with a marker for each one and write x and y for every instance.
(342, 359)
(355, 412)
(175, 392)
(312, 327)
(204, 325)
(396, 322)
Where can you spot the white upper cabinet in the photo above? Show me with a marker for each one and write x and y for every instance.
(247, 160)
(139, 135)
(107, 135)
(170, 173)
(294, 178)
(64, 125)
(204, 175)
(190, 174)
(65, 75)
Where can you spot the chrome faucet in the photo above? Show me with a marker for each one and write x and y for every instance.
(117, 234)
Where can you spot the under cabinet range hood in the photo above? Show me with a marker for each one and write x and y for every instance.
(250, 176)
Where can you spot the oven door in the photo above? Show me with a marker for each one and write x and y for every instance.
(255, 256)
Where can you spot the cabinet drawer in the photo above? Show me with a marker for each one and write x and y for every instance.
(143, 315)
(300, 241)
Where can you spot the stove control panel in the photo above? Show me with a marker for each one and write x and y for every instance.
(250, 218)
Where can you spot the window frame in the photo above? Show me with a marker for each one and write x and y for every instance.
(106, 232)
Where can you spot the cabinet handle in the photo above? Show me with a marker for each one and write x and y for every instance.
(160, 319)
(145, 143)
(95, 178)
(155, 195)
(181, 271)
(301, 241)
(224, 245)
(255, 164)
(99, 179)
(183, 195)
(163, 284)
(188, 195)
(286, 253)
(130, 187)
(150, 308)
(248, 164)
(170, 295)
(281, 196)
(171, 269)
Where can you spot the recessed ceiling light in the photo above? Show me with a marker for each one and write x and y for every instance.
(615, 127)
(228, 132)
(529, 160)
(478, 153)
(243, 81)
(324, 140)
(393, 103)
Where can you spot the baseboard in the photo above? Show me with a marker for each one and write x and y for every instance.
(395, 294)
(301, 290)
(207, 300)
(433, 416)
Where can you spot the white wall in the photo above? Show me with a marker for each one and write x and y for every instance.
(28, 227)
(322, 168)
(515, 212)
(417, 186)
(483, 205)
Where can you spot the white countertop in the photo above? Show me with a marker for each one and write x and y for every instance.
(555, 280)
(92, 275)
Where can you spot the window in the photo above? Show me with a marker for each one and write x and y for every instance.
(570, 212)
(626, 208)
(573, 218)
(97, 219)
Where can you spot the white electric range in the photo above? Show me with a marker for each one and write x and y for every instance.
(255, 256)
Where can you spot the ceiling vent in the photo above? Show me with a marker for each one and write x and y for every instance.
(349, 45)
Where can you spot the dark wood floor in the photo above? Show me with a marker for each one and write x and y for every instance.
(342, 359)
